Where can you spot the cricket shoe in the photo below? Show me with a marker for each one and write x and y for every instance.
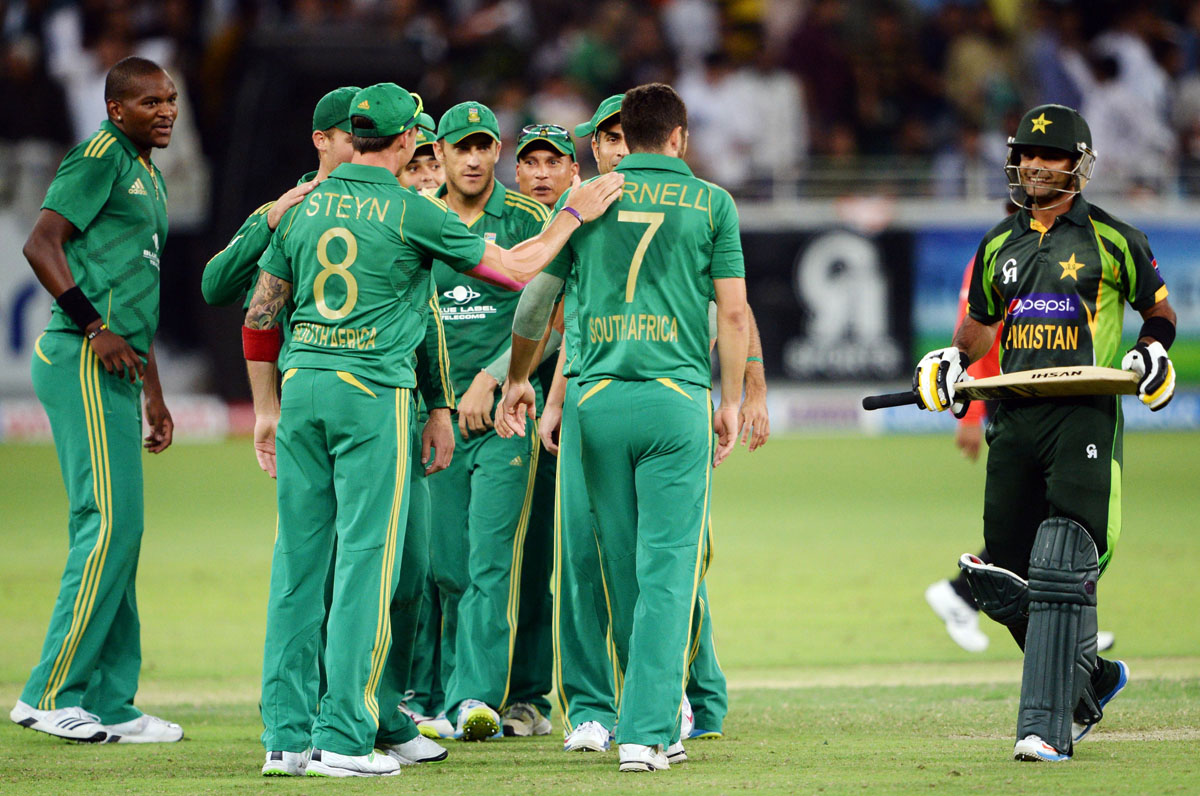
(1081, 729)
(1105, 640)
(477, 722)
(591, 736)
(437, 727)
(144, 729)
(961, 618)
(687, 719)
(1032, 748)
(324, 763)
(285, 764)
(73, 723)
(522, 720)
(675, 753)
(699, 733)
(636, 757)
(418, 750)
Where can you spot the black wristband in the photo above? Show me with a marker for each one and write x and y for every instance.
(1160, 329)
(77, 307)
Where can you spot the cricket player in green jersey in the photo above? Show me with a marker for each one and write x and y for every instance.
(357, 251)
(1057, 273)
(96, 248)
(644, 411)
(484, 498)
(424, 172)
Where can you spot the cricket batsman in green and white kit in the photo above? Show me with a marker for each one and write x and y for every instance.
(1058, 274)
(354, 254)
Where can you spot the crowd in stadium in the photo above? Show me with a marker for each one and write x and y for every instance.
(782, 93)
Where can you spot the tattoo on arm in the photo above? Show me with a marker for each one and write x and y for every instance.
(270, 294)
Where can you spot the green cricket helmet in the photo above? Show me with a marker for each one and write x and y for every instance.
(1053, 127)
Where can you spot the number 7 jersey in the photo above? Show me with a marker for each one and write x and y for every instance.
(357, 251)
(644, 274)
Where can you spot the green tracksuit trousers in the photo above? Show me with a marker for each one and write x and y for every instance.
(425, 677)
(647, 455)
(532, 672)
(92, 653)
(337, 433)
(482, 503)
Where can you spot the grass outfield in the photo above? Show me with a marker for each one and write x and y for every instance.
(842, 679)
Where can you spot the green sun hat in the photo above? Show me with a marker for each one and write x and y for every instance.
(467, 118)
(554, 136)
(389, 108)
(333, 110)
(610, 107)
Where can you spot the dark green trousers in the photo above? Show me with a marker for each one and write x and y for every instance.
(92, 654)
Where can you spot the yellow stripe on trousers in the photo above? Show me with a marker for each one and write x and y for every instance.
(560, 692)
(93, 569)
(699, 552)
(383, 624)
(514, 574)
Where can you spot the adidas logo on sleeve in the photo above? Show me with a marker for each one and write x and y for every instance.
(137, 189)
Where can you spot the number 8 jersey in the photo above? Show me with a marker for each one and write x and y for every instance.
(645, 272)
(358, 252)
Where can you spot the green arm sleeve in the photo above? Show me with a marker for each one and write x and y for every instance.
(1144, 284)
(727, 260)
(233, 270)
(82, 185)
(536, 305)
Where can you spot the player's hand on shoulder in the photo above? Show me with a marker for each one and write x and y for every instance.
(115, 354)
(475, 406)
(938, 372)
(592, 199)
(1150, 362)
(289, 200)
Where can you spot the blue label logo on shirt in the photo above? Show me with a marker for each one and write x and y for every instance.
(1044, 305)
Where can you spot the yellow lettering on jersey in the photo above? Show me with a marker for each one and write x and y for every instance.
(629, 190)
(653, 193)
(314, 206)
(361, 204)
(329, 201)
(1038, 336)
(669, 190)
(343, 200)
(642, 327)
(699, 196)
(317, 334)
(377, 211)
(683, 189)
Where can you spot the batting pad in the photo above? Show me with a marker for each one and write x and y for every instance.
(999, 593)
(1060, 646)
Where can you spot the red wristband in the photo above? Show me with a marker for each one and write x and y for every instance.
(261, 345)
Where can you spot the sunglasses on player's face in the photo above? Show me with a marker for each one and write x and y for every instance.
(551, 130)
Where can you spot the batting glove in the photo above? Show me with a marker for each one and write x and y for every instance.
(937, 373)
(1151, 363)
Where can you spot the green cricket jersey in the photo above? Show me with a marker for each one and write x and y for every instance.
(645, 272)
(477, 317)
(118, 202)
(357, 253)
(1061, 291)
(231, 274)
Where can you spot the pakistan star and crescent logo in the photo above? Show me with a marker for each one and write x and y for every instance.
(1071, 268)
(1039, 124)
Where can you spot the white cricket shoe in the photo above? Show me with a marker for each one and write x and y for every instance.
(476, 721)
(961, 618)
(636, 757)
(1105, 640)
(285, 764)
(144, 729)
(324, 763)
(591, 736)
(437, 727)
(418, 750)
(73, 723)
(687, 719)
(675, 753)
(1033, 749)
(522, 720)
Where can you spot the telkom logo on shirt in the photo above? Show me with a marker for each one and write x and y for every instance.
(461, 294)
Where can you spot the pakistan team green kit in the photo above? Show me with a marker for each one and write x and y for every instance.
(117, 202)
(482, 501)
(1061, 294)
(356, 252)
(645, 417)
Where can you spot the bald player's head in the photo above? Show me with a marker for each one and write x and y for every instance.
(124, 79)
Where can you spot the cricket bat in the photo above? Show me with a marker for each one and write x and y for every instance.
(1040, 383)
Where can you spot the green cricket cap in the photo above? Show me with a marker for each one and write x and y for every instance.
(426, 123)
(1053, 126)
(610, 107)
(424, 138)
(553, 137)
(333, 110)
(389, 108)
(467, 118)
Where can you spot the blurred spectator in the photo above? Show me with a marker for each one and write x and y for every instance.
(24, 85)
(972, 167)
(722, 132)
(1044, 78)
(818, 55)
(693, 29)
(979, 70)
